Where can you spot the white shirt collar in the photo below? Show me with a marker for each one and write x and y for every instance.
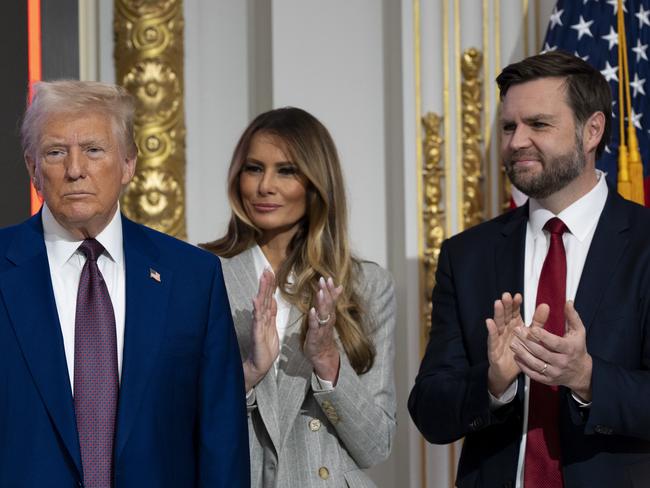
(62, 245)
(580, 217)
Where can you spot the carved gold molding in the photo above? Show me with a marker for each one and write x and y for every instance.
(149, 64)
(472, 107)
(433, 212)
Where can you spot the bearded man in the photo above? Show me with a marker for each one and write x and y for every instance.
(539, 352)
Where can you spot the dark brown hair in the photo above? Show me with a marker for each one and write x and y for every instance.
(587, 91)
(320, 246)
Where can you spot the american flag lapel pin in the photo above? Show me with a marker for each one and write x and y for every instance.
(154, 275)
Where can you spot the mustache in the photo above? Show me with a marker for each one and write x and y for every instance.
(523, 155)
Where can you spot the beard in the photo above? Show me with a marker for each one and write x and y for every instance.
(557, 171)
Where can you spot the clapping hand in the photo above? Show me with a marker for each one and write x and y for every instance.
(265, 343)
(503, 369)
(320, 346)
(555, 360)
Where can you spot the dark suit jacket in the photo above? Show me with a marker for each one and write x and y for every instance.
(181, 417)
(607, 445)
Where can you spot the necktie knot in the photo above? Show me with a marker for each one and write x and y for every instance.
(555, 226)
(92, 249)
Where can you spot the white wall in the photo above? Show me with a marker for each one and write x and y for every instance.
(328, 59)
(216, 108)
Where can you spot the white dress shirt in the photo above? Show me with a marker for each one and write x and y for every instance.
(66, 263)
(581, 218)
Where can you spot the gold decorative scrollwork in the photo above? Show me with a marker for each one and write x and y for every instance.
(149, 64)
(433, 213)
(472, 107)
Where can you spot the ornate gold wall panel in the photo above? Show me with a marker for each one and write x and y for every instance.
(149, 64)
(433, 212)
(472, 139)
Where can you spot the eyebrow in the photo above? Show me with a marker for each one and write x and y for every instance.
(58, 141)
(257, 161)
(532, 118)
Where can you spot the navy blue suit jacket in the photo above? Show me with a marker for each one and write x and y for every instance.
(181, 417)
(606, 445)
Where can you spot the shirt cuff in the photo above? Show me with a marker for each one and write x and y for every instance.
(324, 384)
(505, 397)
(581, 403)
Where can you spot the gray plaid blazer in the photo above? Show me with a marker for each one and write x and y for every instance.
(300, 436)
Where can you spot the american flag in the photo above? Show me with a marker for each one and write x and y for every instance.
(154, 275)
(588, 28)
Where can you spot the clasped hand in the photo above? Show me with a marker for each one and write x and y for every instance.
(541, 355)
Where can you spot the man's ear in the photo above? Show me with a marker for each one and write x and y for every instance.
(593, 131)
(129, 171)
(30, 164)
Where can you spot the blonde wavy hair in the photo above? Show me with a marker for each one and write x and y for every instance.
(320, 246)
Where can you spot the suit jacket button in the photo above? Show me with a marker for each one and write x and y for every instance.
(477, 423)
(314, 425)
(323, 472)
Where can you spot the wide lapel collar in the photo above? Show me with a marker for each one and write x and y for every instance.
(148, 287)
(609, 243)
(38, 330)
(510, 253)
(294, 373)
(242, 284)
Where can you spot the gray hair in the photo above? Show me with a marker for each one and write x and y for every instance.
(73, 96)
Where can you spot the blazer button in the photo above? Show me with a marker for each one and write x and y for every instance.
(314, 425)
(477, 423)
(323, 472)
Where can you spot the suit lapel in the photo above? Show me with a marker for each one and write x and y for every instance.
(609, 243)
(146, 306)
(38, 330)
(294, 374)
(510, 253)
(242, 284)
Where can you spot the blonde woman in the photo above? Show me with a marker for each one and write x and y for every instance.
(315, 325)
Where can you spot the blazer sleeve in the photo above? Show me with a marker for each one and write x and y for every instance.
(362, 407)
(450, 397)
(222, 424)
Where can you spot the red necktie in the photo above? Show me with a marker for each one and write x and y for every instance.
(95, 371)
(542, 466)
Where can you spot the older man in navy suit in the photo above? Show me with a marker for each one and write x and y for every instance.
(118, 360)
(539, 353)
